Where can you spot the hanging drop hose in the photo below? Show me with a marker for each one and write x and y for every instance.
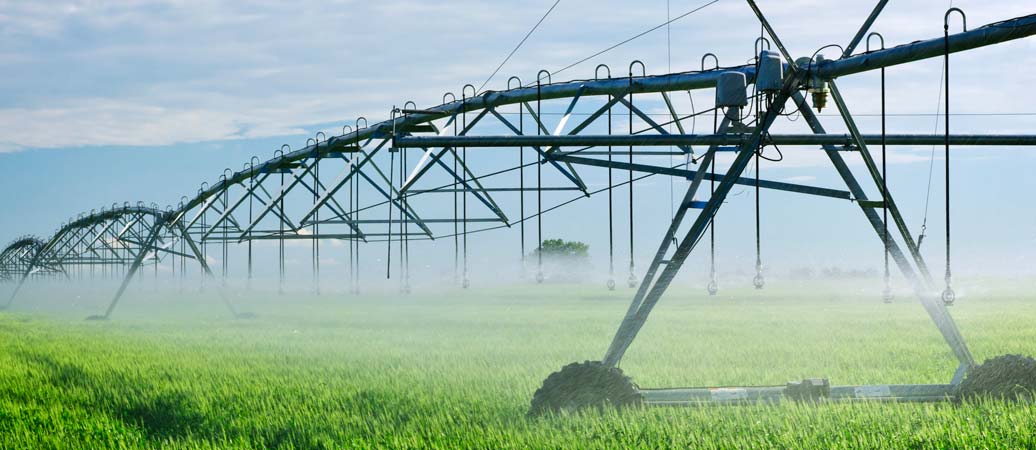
(404, 288)
(402, 216)
(521, 185)
(204, 254)
(406, 232)
(388, 242)
(316, 226)
(356, 189)
(713, 288)
(356, 184)
(352, 241)
(280, 282)
(632, 280)
(226, 200)
(316, 215)
(611, 219)
(539, 186)
(183, 264)
(758, 280)
(251, 189)
(354, 249)
(948, 296)
(456, 217)
(464, 203)
(886, 294)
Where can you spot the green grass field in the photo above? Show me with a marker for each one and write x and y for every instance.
(457, 370)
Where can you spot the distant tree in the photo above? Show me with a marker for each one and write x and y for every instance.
(564, 260)
(562, 249)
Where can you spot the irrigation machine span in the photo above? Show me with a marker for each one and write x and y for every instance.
(386, 178)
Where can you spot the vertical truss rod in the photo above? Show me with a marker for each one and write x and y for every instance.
(137, 261)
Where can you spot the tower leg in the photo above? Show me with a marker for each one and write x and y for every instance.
(632, 324)
(667, 240)
(156, 229)
(205, 268)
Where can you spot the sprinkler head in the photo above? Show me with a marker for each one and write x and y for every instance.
(758, 281)
(948, 296)
(818, 87)
(820, 98)
(713, 288)
(631, 281)
(611, 284)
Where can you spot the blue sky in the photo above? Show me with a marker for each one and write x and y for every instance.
(109, 101)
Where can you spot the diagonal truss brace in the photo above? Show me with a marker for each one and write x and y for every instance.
(632, 324)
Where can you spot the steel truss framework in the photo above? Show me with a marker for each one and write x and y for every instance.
(17, 260)
(387, 180)
(110, 243)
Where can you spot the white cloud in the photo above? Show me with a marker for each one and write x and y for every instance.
(159, 72)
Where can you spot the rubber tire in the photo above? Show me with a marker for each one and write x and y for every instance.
(1005, 377)
(579, 386)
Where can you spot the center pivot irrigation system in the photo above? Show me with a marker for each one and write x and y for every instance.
(410, 179)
